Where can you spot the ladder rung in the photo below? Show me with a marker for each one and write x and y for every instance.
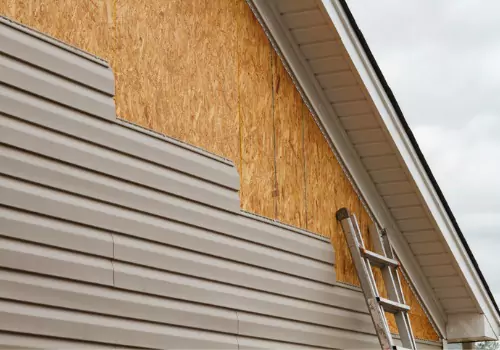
(377, 259)
(392, 306)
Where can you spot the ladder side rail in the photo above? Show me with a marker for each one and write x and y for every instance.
(386, 243)
(395, 276)
(381, 245)
(387, 273)
(402, 318)
(378, 244)
(379, 248)
(359, 264)
(366, 262)
(405, 331)
(351, 233)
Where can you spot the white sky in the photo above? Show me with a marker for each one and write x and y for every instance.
(442, 61)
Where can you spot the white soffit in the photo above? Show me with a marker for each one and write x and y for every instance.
(331, 69)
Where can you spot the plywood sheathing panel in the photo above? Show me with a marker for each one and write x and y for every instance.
(154, 70)
(87, 25)
(255, 81)
(216, 76)
(327, 190)
(320, 191)
(420, 324)
(290, 170)
(177, 70)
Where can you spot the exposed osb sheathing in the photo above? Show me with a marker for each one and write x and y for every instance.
(87, 25)
(289, 133)
(176, 74)
(422, 327)
(203, 71)
(327, 190)
(255, 95)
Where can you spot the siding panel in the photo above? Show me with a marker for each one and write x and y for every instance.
(56, 146)
(211, 268)
(34, 198)
(113, 302)
(201, 291)
(283, 330)
(27, 47)
(55, 89)
(125, 137)
(39, 259)
(50, 231)
(81, 326)
(10, 340)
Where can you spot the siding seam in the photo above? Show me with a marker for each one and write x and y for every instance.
(237, 329)
(273, 96)
(238, 104)
(305, 164)
(113, 258)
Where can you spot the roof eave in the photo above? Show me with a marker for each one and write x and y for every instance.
(411, 153)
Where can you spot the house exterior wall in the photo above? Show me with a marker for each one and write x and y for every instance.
(204, 72)
(115, 236)
(240, 104)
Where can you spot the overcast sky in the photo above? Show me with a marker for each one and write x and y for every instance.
(442, 61)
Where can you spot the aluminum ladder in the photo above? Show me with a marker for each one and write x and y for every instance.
(383, 257)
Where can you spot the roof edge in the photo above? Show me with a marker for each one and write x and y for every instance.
(415, 146)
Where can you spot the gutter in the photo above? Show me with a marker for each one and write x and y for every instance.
(415, 146)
